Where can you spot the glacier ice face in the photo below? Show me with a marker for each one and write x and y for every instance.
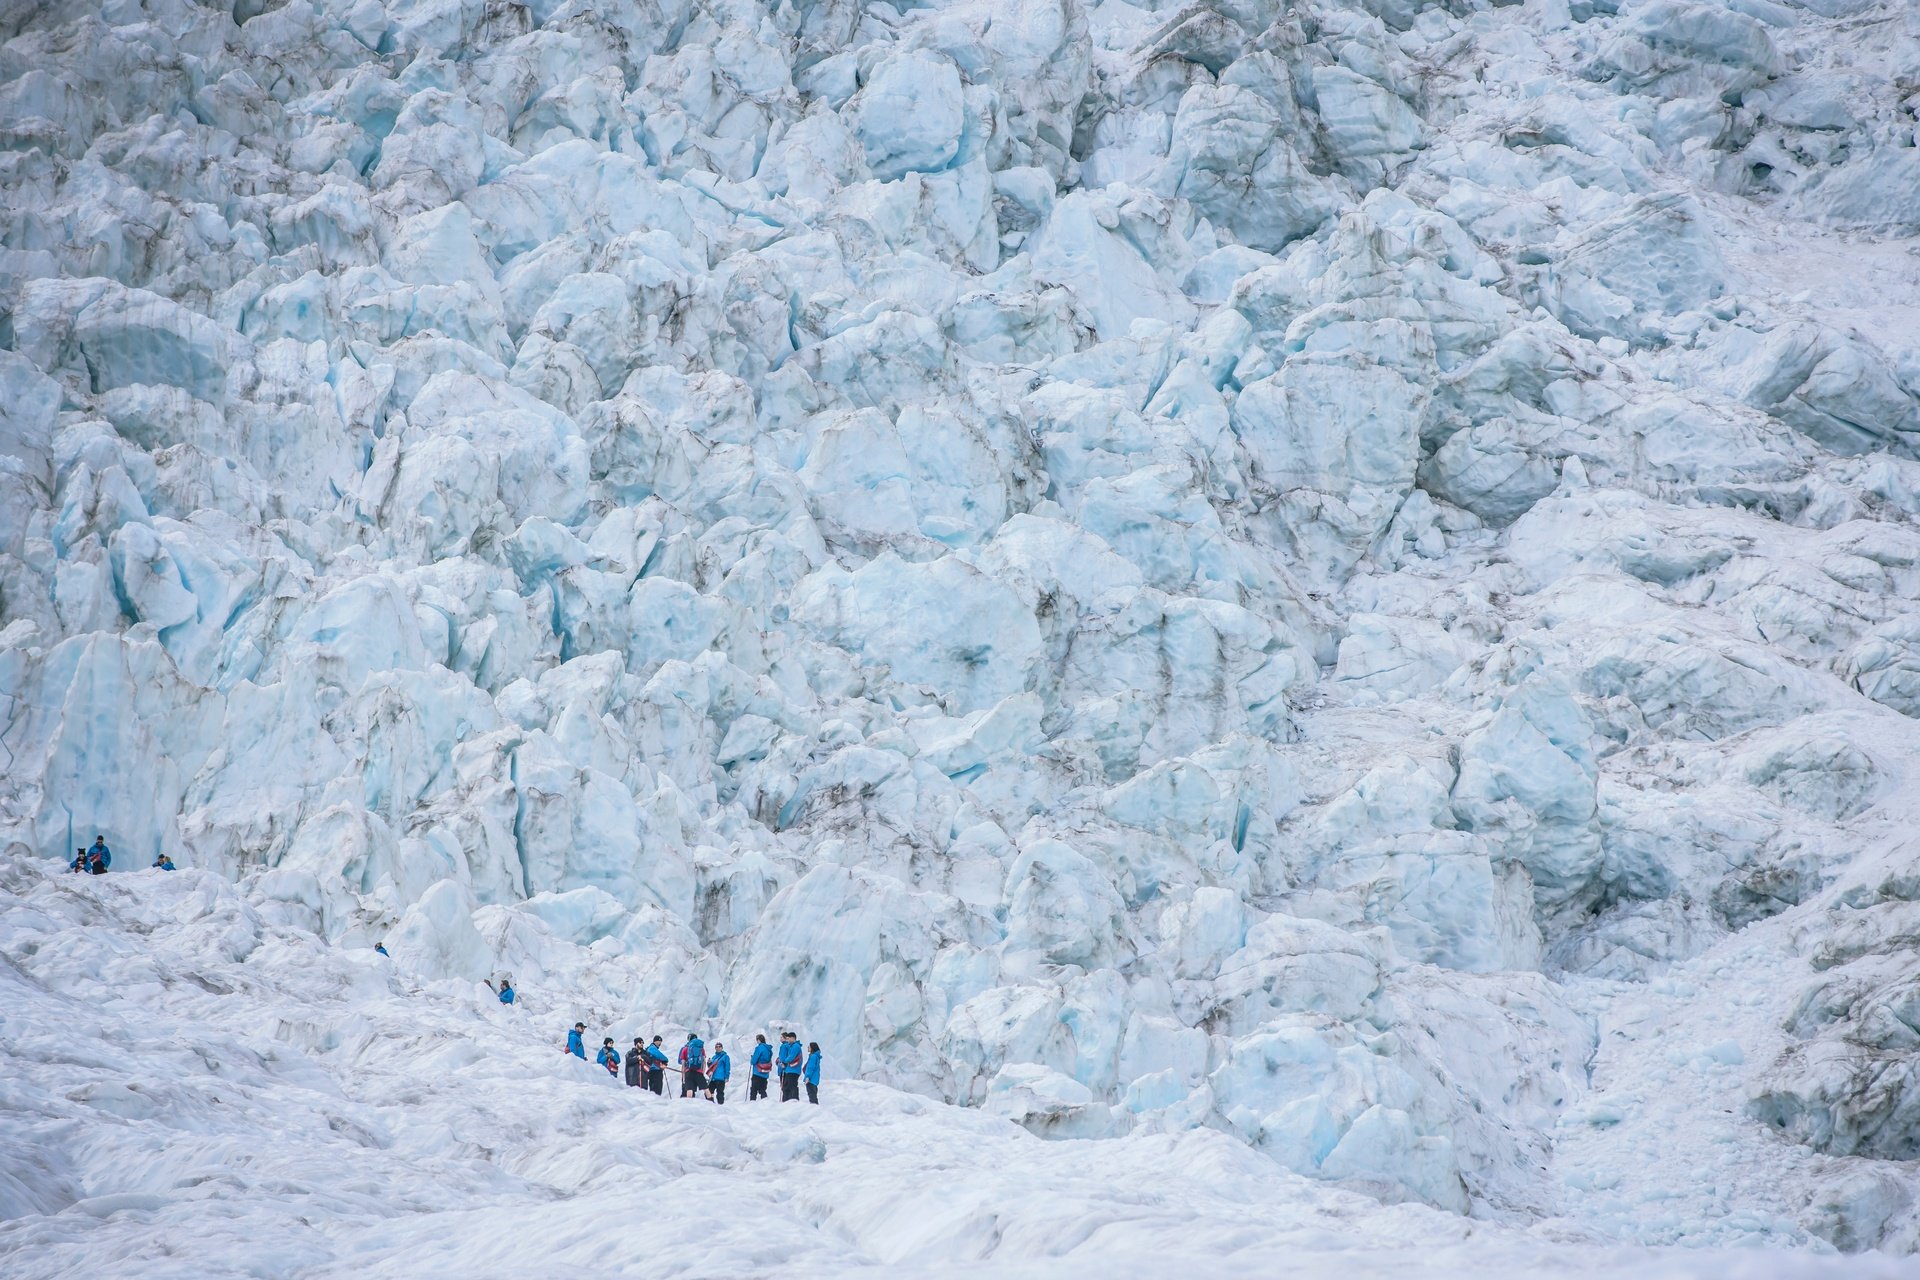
(1335, 574)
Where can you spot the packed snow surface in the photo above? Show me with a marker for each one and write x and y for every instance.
(203, 1093)
(1288, 626)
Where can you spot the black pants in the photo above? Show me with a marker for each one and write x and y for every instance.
(720, 1092)
(657, 1080)
(692, 1082)
(789, 1088)
(756, 1087)
(813, 1094)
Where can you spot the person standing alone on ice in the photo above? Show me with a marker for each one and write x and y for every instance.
(760, 1067)
(504, 990)
(722, 1072)
(693, 1066)
(789, 1067)
(637, 1063)
(812, 1072)
(576, 1040)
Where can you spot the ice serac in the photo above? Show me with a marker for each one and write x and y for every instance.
(1322, 588)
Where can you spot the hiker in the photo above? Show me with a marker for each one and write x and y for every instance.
(99, 858)
(504, 991)
(760, 1067)
(576, 1041)
(79, 862)
(693, 1066)
(636, 1064)
(163, 863)
(656, 1066)
(789, 1067)
(722, 1072)
(608, 1057)
(812, 1072)
(381, 947)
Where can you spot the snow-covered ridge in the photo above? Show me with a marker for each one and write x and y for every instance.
(1337, 573)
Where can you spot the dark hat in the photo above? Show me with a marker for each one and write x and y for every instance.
(579, 1026)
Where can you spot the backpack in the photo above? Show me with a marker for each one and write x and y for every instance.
(696, 1055)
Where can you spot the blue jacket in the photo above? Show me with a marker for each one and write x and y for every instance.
(506, 994)
(608, 1057)
(693, 1055)
(722, 1067)
(575, 1046)
(763, 1059)
(106, 854)
(789, 1059)
(813, 1068)
(657, 1056)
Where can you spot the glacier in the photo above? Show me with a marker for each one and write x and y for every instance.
(1288, 626)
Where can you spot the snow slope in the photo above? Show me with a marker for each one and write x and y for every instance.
(198, 1092)
(1322, 591)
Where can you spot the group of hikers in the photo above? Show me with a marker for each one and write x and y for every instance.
(703, 1075)
(96, 860)
(645, 1065)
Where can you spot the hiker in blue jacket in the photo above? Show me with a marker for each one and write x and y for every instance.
(693, 1066)
(99, 858)
(79, 862)
(576, 1044)
(608, 1057)
(719, 1074)
(812, 1072)
(163, 863)
(656, 1066)
(789, 1067)
(760, 1068)
(504, 990)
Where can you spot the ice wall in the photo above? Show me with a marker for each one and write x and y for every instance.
(1139, 566)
